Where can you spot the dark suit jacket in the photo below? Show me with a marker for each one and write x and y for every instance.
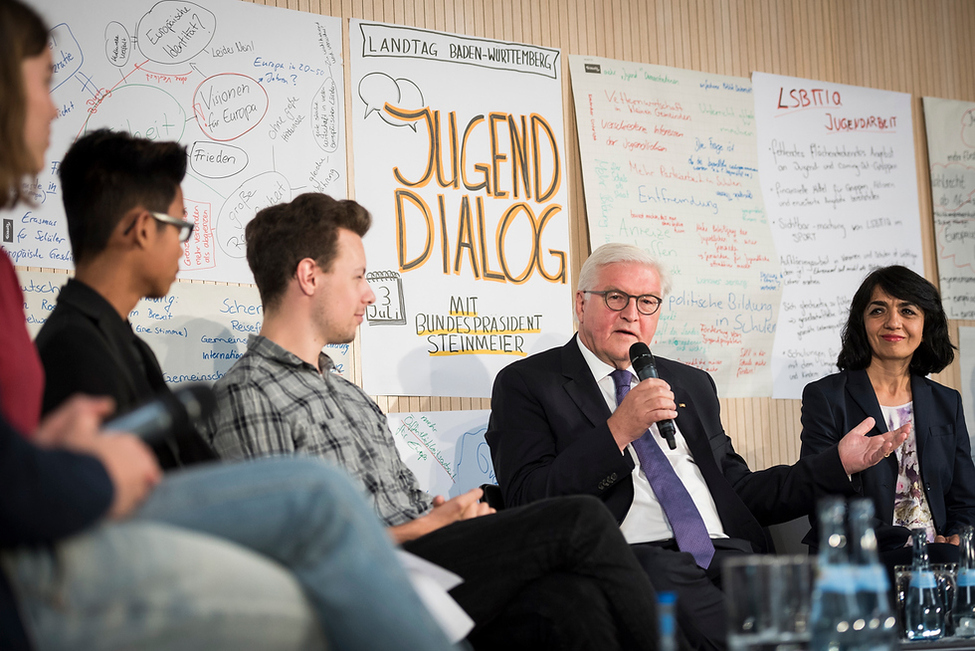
(86, 347)
(837, 403)
(549, 436)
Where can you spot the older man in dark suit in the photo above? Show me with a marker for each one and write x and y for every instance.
(576, 420)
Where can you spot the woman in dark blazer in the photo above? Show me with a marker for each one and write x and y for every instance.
(896, 334)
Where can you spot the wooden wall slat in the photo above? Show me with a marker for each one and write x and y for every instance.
(695, 34)
(756, 50)
(963, 18)
(775, 49)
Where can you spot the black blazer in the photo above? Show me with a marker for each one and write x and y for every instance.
(549, 436)
(837, 403)
(86, 347)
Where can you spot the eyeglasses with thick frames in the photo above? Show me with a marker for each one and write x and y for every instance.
(646, 304)
(185, 227)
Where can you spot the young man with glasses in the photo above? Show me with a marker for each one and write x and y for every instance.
(125, 214)
(185, 228)
(577, 420)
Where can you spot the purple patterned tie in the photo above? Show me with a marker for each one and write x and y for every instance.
(685, 520)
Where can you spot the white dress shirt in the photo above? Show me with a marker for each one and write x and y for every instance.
(646, 521)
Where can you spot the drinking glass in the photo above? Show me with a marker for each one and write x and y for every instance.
(768, 602)
(947, 576)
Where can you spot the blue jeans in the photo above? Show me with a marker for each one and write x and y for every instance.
(293, 512)
(142, 585)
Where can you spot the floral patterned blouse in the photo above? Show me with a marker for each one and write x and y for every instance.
(911, 508)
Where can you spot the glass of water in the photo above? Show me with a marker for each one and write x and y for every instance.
(768, 602)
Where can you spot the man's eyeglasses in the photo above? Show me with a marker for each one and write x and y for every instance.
(646, 304)
(185, 227)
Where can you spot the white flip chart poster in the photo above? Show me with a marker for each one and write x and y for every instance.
(669, 165)
(950, 127)
(459, 156)
(837, 171)
(197, 331)
(255, 93)
(445, 449)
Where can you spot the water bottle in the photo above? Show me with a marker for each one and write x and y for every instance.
(834, 599)
(877, 630)
(924, 614)
(667, 620)
(964, 610)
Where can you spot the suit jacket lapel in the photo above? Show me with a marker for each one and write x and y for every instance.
(861, 391)
(582, 390)
(693, 432)
(581, 385)
(923, 417)
(94, 307)
(692, 429)
(736, 519)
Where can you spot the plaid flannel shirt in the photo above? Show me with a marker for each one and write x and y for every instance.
(272, 402)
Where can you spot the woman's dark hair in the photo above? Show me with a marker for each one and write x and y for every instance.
(935, 351)
(23, 35)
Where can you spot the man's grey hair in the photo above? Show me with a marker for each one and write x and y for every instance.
(616, 252)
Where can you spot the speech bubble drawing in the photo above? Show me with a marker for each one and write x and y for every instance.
(324, 116)
(228, 105)
(118, 44)
(216, 160)
(66, 55)
(161, 117)
(175, 31)
(950, 185)
(374, 90)
(377, 89)
(968, 128)
(254, 194)
(410, 97)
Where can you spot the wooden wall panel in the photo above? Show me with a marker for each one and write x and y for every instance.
(922, 47)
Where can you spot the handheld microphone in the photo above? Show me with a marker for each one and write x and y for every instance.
(645, 366)
(168, 415)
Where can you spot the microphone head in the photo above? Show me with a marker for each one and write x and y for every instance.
(638, 350)
(198, 400)
(168, 415)
(642, 360)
